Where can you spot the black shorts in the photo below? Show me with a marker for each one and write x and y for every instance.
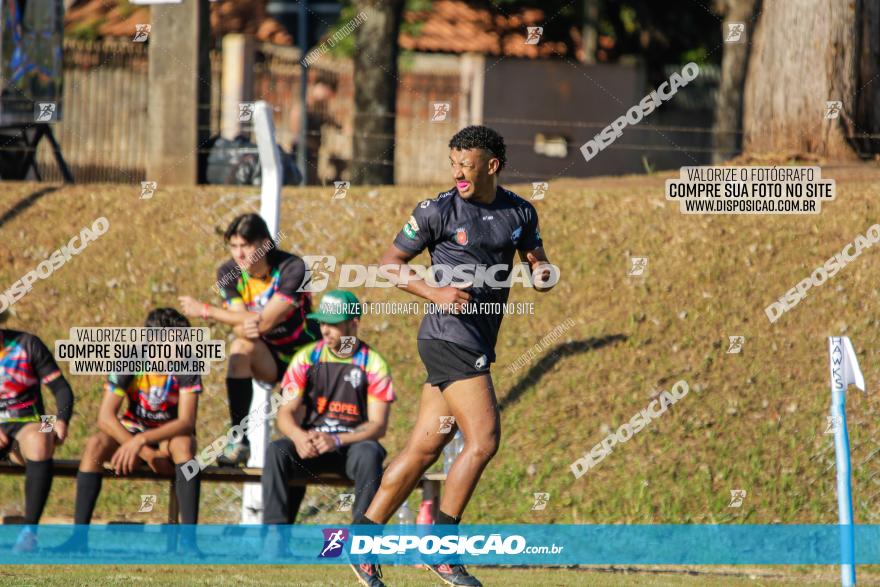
(447, 362)
(282, 359)
(11, 429)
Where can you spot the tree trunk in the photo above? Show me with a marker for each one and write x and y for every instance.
(806, 53)
(727, 128)
(375, 91)
(867, 108)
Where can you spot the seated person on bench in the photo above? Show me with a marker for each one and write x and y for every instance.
(158, 427)
(345, 389)
(25, 364)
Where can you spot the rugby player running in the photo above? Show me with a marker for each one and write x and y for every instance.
(476, 223)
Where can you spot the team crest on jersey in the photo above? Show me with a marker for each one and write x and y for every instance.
(354, 377)
(157, 396)
(461, 236)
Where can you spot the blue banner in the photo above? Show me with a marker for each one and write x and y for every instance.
(517, 544)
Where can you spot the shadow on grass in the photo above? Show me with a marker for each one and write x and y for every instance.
(24, 204)
(545, 363)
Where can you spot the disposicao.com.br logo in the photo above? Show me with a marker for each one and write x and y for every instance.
(450, 544)
(334, 542)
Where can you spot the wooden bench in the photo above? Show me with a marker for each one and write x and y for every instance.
(430, 482)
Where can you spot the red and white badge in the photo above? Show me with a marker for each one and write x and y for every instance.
(461, 236)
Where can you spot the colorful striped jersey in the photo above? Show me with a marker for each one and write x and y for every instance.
(25, 364)
(336, 390)
(286, 275)
(152, 398)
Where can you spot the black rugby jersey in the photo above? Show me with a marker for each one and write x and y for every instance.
(460, 232)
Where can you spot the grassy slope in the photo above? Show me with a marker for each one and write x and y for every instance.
(756, 424)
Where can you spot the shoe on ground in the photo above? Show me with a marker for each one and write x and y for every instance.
(73, 545)
(26, 542)
(454, 575)
(368, 574)
(235, 454)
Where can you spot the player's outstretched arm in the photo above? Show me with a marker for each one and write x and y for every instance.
(235, 315)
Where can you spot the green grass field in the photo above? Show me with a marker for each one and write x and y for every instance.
(70, 576)
(752, 421)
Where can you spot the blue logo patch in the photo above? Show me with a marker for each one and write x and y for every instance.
(514, 236)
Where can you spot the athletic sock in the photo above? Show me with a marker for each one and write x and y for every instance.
(363, 520)
(240, 391)
(187, 495)
(88, 486)
(443, 518)
(37, 483)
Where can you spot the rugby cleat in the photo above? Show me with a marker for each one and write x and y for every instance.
(454, 575)
(368, 574)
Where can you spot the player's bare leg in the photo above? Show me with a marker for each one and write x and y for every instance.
(33, 445)
(422, 449)
(472, 402)
(99, 449)
(251, 358)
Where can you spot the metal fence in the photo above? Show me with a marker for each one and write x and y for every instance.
(105, 120)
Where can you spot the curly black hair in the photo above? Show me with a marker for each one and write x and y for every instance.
(481, 137)
(166, 318)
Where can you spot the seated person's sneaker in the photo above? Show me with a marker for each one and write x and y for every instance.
(26, 542)
(188, 548)
(74, 544)
(454, 575)
(368, 574)
(235, 454)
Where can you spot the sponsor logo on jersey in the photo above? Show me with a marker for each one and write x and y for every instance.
(514, 236)
(411, 228)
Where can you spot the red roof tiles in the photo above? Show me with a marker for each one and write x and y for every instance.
(450, 26)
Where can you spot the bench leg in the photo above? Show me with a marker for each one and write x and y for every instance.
(431, 490)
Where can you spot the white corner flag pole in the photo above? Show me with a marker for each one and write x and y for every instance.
(270, 204)
(844, 371)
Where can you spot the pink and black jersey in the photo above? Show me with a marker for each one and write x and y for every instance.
(286, 275)
(25, 364)
(337, 390)
(152, 398)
